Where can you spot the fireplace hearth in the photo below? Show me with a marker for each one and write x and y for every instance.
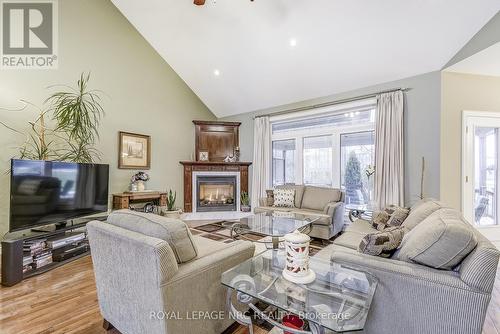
(216, 193)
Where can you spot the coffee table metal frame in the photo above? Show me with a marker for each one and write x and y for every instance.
(238, 230)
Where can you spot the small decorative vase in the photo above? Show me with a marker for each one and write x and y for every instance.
(297, 259)
(141, 186)
(246, 208)
(133, 186)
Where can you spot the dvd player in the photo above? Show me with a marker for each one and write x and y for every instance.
(70, 252)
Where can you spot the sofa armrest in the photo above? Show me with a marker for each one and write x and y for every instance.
(336, 210)
(197, 287)
(263, 201)
(392, 271)
(226, 258)
(332, 207)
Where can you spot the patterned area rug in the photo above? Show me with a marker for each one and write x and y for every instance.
(221, 231)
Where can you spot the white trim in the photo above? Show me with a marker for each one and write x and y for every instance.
(471, 119)
(328, 109)
(216, 173)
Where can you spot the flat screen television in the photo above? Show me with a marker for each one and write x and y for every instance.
(50, 192)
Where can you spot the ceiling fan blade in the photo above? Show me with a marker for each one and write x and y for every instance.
(199, 2)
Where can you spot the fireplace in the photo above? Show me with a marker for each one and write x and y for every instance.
(216, 193)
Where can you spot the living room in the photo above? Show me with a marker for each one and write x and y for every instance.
(249, 167)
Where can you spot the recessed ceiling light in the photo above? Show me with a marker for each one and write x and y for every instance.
(293, 42)
(216, 73)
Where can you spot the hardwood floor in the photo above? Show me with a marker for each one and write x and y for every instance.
(64, 300)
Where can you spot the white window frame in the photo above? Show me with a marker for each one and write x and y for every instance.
(334, 131)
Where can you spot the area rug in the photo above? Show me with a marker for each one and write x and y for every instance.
(221, 231)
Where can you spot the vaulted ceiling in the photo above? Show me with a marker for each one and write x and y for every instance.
(240, 56)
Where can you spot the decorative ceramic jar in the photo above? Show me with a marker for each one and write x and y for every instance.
(297, 258)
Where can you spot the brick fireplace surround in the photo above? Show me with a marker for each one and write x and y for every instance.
(208, 168)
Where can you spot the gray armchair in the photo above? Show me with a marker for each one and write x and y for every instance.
(142, 287)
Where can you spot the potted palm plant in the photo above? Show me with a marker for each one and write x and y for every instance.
(245, 202)
(170, 210)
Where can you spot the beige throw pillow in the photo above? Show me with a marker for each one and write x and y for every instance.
(382, 243)
(391, 216)
(284, 198)
(380, 219)
(398, 216)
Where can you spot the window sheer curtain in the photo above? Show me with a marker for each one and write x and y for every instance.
(261, 176)
(389, 146)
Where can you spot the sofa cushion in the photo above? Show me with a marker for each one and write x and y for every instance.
(323, 219)
(284, 198)
(382, 243)
(316, 198)
(360, 226)
(174, 231)
(441, 241)
(349, 239)
(299, 192)
(420, 212)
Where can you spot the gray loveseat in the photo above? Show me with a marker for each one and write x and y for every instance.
(154, 277)
(414, 298)
(327, 204)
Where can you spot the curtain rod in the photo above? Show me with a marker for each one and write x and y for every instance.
(332, 103)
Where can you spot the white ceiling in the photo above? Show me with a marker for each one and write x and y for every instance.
(485, 62)
(340, 45)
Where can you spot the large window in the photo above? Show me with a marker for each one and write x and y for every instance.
(356, 154)
(283, 162)
(317, 159)
(329, 148)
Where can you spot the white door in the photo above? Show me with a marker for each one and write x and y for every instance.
(481, 171)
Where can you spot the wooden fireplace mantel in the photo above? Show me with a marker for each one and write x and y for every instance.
(215, 166)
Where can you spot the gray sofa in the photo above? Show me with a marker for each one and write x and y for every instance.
(151, 274)
(327, 204)
(414, 298)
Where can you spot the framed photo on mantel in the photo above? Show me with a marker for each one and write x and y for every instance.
(134, 151)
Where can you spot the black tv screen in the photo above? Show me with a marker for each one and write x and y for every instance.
(48, 192)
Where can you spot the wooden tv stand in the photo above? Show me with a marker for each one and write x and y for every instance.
(123, 200)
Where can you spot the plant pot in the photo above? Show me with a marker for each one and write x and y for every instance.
(176, 214)
(246, 208)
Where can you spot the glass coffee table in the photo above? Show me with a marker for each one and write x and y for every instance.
(274, 225)
(338, 300)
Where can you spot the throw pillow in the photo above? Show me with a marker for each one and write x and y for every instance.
(270, 197)
(398, 216)
(284, 198)
(380, 219)
(382, 243)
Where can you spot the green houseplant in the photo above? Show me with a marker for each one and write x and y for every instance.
(170, 210)
(66, 128)
(245, 202)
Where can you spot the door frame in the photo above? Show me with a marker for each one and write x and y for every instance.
(468, 169)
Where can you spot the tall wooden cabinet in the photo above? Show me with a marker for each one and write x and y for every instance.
(220, 139)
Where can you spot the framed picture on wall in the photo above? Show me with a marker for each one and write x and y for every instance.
(134, 151)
